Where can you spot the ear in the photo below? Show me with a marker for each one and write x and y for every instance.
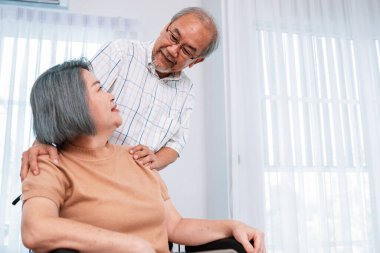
(198, 60)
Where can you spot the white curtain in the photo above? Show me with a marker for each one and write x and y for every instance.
(303, 91)
(31, 41)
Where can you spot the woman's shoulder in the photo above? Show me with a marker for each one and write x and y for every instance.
(122, 151)
(49, 169)
(119, 148)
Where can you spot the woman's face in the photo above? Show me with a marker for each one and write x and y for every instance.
(102, 106)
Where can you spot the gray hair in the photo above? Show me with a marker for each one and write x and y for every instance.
(59, 104)
(208, 22)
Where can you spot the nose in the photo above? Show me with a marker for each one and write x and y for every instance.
(174, 50)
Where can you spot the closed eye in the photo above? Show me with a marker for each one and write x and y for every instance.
(101, 88)
(174, 38)
(187, 52)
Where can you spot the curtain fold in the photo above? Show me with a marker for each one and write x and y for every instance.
(303, 92)
(31, 41)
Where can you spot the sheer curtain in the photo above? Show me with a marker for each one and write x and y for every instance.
(31, 41)
(303, 92)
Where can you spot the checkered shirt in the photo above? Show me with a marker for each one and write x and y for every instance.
(156, 112)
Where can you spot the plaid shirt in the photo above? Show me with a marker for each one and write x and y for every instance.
(156, 112)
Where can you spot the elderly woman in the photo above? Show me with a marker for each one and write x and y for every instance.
(98, 199)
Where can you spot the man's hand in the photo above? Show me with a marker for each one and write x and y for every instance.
(154, 161)
(245, 234)
(29, 158)
(144, 156)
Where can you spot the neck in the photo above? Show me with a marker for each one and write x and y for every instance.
(91, 141)
(162, 75)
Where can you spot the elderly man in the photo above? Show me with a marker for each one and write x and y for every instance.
(153, 94)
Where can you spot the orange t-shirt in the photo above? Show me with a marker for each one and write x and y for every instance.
(106, 188)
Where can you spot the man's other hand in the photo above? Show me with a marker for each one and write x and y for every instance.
(144, 156)
(29, 158)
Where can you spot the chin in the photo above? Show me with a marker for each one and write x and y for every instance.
(118, 123)
(161, 64)
(159, 67)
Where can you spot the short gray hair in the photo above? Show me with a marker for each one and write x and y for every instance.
(59, 104)
(209, 23)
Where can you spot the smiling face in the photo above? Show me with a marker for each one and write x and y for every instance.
(102, 106)
(179, 42)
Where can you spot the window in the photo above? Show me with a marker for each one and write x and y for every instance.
(304, 96)
(314, 146)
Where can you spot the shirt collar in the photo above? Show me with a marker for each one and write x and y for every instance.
(172, 77)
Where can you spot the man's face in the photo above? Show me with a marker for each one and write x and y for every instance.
(179, 45)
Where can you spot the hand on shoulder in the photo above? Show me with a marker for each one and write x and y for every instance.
(29, 158)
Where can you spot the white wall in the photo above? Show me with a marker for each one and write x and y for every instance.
(217, 173)
(197, 180)
(154, 15)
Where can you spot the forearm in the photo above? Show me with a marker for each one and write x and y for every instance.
(198, 231)
(195, 231)
(44, 231)
(64, 233)
(165, 156)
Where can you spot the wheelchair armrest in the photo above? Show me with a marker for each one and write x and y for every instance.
(222, 244)
(64, 251)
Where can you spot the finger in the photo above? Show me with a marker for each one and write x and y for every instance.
(149, 166)
(39, 149)
(136, 157)
(53, 154)
(136, 148)
(145, 151)
(249, 247)
(33, 165)
(24, 165)
(147, 159)
(139, 147)
(33, 154)
(132, 150)
(142, 154)
(141, 161)
(259, 243)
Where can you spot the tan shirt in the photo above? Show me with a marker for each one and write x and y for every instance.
(106, 188)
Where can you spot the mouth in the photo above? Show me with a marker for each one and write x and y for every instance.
(168, 58)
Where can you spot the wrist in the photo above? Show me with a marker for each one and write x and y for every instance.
(160, 161)
(236, 226)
